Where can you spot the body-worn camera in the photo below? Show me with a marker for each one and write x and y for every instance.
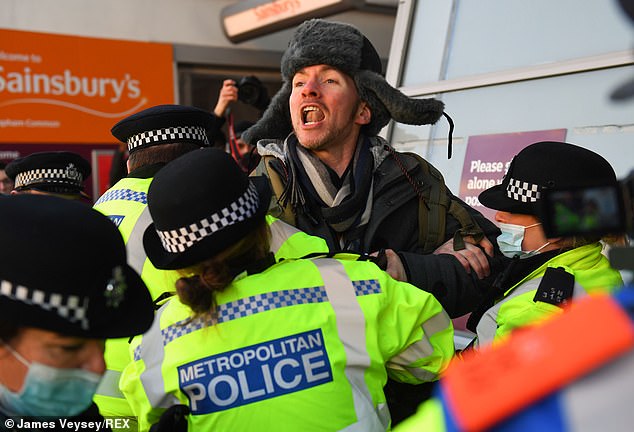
(594, 210)
(598, 210)
(251, 91)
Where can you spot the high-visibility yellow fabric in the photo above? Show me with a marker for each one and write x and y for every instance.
(125, 204)
(590, 268)
(304, 345)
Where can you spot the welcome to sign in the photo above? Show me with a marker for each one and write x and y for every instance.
(65, 89)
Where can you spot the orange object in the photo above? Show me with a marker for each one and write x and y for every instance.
(487, 386)
(66, 89)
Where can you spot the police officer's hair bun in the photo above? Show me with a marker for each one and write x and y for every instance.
(216, 273)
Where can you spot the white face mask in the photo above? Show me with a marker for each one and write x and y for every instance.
(510, 241)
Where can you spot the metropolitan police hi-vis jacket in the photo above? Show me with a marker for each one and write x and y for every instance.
(305, 345)
(592, 273)
(126, 205)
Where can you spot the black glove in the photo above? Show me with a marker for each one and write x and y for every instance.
(174, 419)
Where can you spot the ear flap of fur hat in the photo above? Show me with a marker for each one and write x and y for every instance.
(275, 122)
(387, 103)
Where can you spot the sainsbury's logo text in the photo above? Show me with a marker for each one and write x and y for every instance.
(28, 82)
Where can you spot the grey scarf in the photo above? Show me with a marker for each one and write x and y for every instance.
(345, 209)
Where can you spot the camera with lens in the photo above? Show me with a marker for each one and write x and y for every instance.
(597, 210)
(252, 92)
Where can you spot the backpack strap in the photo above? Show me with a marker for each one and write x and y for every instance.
(274, 170)
(433, 206)
(433, 209)
(435, 202)
(470, 228)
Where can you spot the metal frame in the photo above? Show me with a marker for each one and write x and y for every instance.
(400, 45)
(231, 57)
(400, 40)
(578, 65)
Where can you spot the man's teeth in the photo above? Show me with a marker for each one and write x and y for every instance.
(312, 115)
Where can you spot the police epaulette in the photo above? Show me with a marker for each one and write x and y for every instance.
(556, 287)
(353, 256)
(162, 299)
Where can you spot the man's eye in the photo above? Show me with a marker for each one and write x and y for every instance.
(298, 84)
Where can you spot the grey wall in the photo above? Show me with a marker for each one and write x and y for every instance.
(185, 22)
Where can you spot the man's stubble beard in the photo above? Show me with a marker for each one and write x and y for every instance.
(330, 138)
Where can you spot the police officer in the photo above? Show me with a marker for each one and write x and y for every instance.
(154, 137)
(573, 373)
(251, 344)
(59, 173)
(542, 273)
(65, 286)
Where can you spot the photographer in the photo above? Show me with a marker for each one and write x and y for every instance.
(248, 90)
(228, 94)
(542, 273)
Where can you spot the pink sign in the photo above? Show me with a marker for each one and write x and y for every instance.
(488, 157)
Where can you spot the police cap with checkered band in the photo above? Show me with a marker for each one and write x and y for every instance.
(53, 172)
(546, 164)
(201, 203)
(165, 124)
(64, 270)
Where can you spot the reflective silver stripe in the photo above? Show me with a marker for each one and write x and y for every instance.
(123, 195)
(351, 329)
(152, 353)
(342, 295)
(246, 307)
(422, 348)
(603, 399)
(258, 303)
(280, 232)
(415, 351)
(109, 384)
(134, 246)
(487, 326)
(437, 323)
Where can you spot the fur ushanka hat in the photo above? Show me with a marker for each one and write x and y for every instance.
(342, 46)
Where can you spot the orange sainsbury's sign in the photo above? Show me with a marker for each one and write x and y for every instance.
(66, 89)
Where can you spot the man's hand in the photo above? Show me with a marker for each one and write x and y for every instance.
(472, 257)
(228, 93)
(394, 267)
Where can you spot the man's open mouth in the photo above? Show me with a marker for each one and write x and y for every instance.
(312, 115)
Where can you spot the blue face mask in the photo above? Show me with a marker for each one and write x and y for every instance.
(510, 241)
(49, 391)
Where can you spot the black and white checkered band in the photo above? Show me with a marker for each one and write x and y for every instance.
(69, 176)
(71, 308)
(522, 191)
(178, 240)
(167, 135)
